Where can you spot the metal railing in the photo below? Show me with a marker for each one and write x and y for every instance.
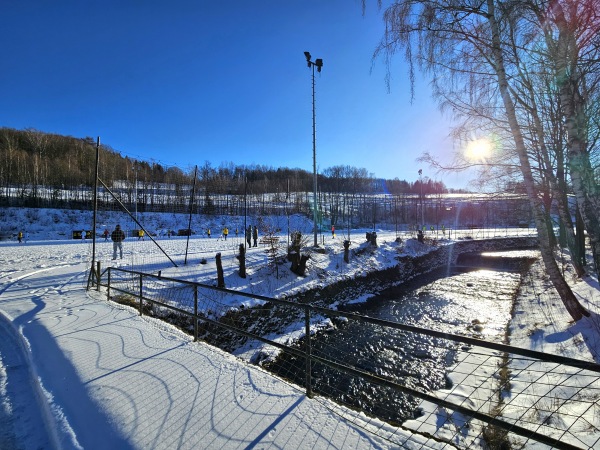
(149, 291)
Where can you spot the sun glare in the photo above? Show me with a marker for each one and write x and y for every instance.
(479, 150)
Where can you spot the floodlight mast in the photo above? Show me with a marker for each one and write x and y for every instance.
(318, 64)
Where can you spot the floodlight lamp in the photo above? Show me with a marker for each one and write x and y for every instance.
(319, 64)
(307, 56)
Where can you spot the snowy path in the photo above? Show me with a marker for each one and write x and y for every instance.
(112, 379)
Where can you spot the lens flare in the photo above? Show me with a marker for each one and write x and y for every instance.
(479, 150)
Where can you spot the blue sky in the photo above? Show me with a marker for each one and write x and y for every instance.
(184, 82)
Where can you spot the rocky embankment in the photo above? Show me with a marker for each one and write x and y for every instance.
(270, 319)
(408, 267)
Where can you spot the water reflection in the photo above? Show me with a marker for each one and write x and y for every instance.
(459, 300)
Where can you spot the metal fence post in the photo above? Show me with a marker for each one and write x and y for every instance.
(98, 275)
(141, 293)
(307, 352)
(108, 287)
(195, 313)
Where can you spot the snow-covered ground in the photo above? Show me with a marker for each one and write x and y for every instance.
(79, 372)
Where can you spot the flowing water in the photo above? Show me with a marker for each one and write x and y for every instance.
(458, 300)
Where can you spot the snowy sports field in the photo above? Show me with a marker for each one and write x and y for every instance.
(78, 372)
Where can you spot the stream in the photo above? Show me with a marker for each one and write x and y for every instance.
(473, 298)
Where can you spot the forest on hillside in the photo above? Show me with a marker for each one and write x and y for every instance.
(39, 169)
(42, 170)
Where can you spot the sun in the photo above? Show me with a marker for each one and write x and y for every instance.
(479, 150)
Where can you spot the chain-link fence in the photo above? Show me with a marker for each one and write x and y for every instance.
(412, 384)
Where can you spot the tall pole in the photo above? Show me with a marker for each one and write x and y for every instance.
(187, 242)
(135, 167)
(93, 275)
(245, 213)
(314, 140)
(95, 200)
(422, 208)
(318, 64)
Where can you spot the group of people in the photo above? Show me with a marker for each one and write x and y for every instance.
(118, 236)
(224, 233)
(252, 234)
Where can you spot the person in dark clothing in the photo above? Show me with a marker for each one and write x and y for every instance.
(117, 236)
(249, 235)
(255, 235)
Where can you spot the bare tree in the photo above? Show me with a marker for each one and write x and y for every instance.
(478, 53)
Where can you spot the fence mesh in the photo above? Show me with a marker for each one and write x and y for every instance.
(415, 387)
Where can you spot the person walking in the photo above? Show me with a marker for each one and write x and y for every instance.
(83, 235)
(225, 233)
(255, 235)
(332, 231)
(20, 237)
(141, 235)
(208, 232)
(106, 234)
(249, 235)
(117, 236)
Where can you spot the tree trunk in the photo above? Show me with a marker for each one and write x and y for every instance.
(584, 189)
(302, 265)
(574, 308)
(567, 231)
(574, 110)
(571, 303)
(580, 254)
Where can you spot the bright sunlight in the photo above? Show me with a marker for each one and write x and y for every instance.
(479, 150)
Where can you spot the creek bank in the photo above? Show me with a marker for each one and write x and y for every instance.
(410, 359)
(273, 320)
(408, 267)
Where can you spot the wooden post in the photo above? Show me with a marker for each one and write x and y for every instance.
(346, 251)
(242, 259)
(220, 278)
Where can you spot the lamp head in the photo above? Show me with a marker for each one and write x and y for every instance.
(307, 56)
(319, 64)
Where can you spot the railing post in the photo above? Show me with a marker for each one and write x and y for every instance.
(307, 352)
(98, 276)
(108, 288)
(195, 313)
(141, 293)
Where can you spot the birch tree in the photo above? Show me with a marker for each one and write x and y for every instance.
(477, 52)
